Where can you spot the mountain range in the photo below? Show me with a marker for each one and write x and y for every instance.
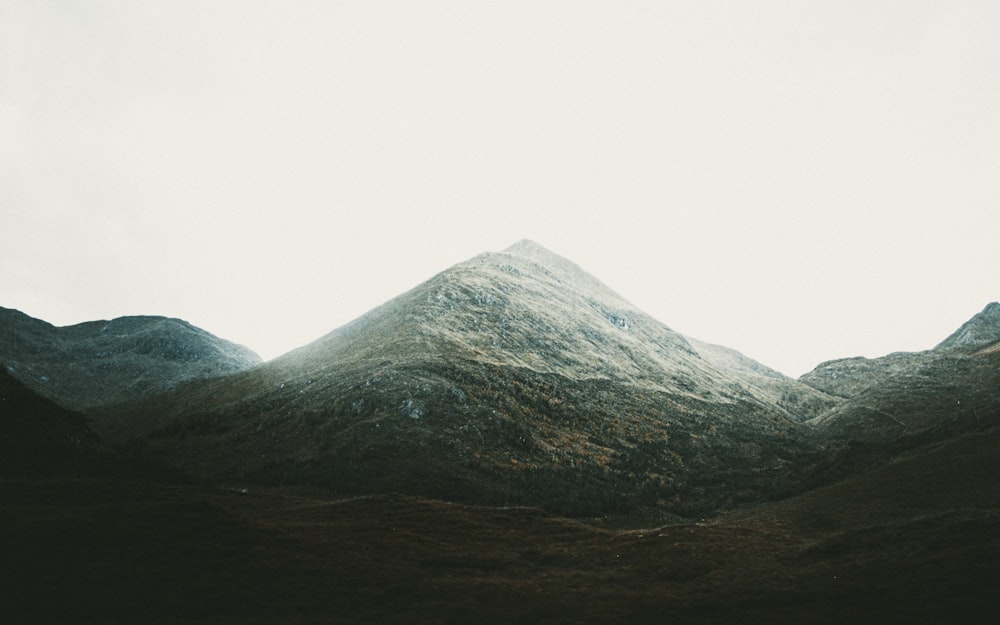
(513, 377)
(517, 381)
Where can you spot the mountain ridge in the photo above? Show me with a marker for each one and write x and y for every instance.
(516, 376)
(98, 363)
(906, 398)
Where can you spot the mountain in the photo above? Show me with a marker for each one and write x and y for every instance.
(979, 333)
(848, 377)
(512, 377)
(908, 398)
(100, 363)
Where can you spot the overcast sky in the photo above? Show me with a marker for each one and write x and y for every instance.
(800, 181)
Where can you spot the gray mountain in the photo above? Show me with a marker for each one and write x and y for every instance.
(908, 398)
(99, 363)
(511, 377)
(980, 332)
(848, 377)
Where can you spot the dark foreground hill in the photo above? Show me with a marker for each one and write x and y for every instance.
(39, 438)
(916, 541)
(100, 363)
(514, 377)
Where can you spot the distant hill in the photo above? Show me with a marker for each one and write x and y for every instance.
(100, 363)
(908, 398)
(512, 377)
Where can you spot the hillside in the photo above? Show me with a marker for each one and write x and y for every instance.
(906, 399)
(512, 377)
(980, 332)
(39, 438)
(100, 363)
(913, 542)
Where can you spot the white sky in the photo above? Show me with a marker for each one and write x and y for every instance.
(799, 180)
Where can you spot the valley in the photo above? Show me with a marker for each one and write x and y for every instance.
(916, 541)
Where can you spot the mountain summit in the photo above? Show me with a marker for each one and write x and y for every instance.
(513, 376)
(529, 308)
(523, 307)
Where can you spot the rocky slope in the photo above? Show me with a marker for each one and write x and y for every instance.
(512, 377)
(979, 333)
(100, 363)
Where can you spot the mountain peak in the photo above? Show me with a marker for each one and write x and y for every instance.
(529, 250)
(983, 329)
(558, 266)
(527, 247)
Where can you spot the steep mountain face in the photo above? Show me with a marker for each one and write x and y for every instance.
(100, 363)
(905, 399)
(512, 377)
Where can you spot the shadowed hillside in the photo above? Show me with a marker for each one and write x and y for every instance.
(913, 542)
(39, 438)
